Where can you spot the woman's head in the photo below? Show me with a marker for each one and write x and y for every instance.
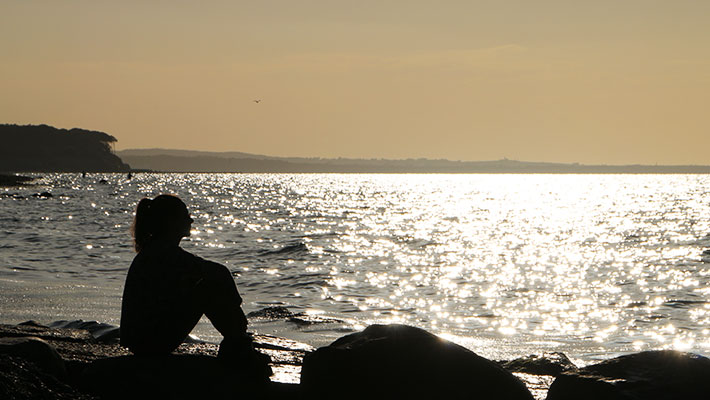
(164, 217)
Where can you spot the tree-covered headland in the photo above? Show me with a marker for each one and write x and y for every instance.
(43, 148)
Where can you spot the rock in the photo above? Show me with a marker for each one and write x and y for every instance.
(36, 350)
(276, 312)
(21, 379)
(552, 364)
(32, 323)
(78, 347)
(649, 375)
(103, 333)
(302, 319)
(175, 376)
(84, 355)
(399, 361)
(31, 328)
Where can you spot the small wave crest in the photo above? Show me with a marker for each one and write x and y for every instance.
(705, 256)
(680, 303)
(292, 249)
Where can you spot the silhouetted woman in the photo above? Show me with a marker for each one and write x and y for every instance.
(168, 290)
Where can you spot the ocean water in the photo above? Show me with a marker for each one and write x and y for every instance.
(506, 265)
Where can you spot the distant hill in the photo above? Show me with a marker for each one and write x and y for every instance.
(188, 153)
(201, 161)
(43, 148)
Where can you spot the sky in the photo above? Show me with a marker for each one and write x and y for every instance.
(595, 82)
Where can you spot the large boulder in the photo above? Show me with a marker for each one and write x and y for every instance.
(399, 361)
(21, 379)
(650, 375)
(175, 376)
(552, 364)
(36, 350)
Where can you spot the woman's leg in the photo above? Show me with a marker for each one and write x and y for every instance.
(220, 300)
(222, 305)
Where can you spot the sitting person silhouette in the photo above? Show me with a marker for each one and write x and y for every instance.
(168, 290)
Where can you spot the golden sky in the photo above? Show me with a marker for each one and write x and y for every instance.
(605, 81)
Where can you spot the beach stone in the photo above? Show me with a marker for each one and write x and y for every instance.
(649, 375)
(175, 376)
(21, 379)
(103, 333)
(552, 364)
(79, 350)
(302, 319)
(37, 351)
(399, 361)
(31, 328)
(275, 312)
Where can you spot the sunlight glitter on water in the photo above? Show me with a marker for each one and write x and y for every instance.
(587, 263)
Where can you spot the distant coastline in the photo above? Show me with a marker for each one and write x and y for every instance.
(169, 160)
(44, 148)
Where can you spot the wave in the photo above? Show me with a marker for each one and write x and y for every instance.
(324, 235)
(297, 248)
(413, 242)
(679, 303)
(18, 268)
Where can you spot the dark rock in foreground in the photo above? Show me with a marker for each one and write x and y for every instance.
(97, 366)
(38, 351)
(398, 361)
(283, 313)
(178, 376)
(650, 375)
(395, 361)
(552, 364)
(21, 379)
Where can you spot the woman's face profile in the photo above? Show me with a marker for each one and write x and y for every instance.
(186, 222)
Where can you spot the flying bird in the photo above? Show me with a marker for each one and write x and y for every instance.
(257, 101)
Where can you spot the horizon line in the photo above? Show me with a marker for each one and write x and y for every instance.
(412, 158)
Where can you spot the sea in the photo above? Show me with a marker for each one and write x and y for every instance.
(507, 265)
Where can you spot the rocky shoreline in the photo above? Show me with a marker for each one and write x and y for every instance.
(83, 360)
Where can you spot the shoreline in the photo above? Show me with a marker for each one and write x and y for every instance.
(81, 343)
(88, 364)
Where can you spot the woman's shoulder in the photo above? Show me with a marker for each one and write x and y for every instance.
(187, 256)
(159, 257)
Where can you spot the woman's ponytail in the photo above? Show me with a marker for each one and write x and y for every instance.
(141, 224)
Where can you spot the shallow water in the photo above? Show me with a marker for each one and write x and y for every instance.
(507, 265)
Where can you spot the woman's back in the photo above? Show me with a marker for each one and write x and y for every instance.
(160, 289)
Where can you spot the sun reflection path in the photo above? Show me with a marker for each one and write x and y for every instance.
(561, 258)
(506, 257)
